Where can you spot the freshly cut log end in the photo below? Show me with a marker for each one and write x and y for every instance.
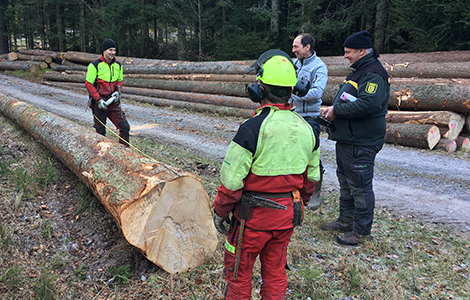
(446, 145)
(178, 215)
(463, 143)
(161, 210)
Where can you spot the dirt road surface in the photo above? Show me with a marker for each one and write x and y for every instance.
(433, 186)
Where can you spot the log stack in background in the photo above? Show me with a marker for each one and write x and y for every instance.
(429, 104)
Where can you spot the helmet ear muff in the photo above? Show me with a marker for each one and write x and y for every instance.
(255, 91)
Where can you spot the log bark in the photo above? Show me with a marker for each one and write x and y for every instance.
(446, 145)
(162, 211)
(56, 56)
(423, 136)
(404, 81)
(196, 77)
(18, 65)
(65, 68)
(417, 69)
(466, 126)
(219, 100)
(200, 107)
(452, 122)
(26, 57)
(463, 143)
(399, 58)
(420, 97)
(84, 58)
(221, 88)
(183, 67)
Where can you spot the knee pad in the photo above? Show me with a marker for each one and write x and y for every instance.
(101, 130)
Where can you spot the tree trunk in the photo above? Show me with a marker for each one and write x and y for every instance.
(413, 135)
(56, 56)
(417, 57)
(450, 121)
(4, 35)
(222, 88)
(460, 69)
(185, 67)
(194, 77)
(193, 106)
(219, 100)
(463, 143)
(26, 57)
(162, 211)
(446, 145)
(18, 65)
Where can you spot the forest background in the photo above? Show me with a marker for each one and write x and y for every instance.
(214, 30)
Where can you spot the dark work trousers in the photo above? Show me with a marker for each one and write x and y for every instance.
(315, 126)
(115, 114)
(355, 171)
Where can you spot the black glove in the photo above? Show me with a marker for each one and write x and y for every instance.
(219, 223)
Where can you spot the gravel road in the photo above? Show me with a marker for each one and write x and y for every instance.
(431, 185)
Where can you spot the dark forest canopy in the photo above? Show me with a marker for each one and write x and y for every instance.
(202, 30)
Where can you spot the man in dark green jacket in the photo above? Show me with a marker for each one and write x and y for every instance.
(358, 115)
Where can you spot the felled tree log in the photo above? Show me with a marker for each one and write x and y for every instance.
(463, 143)
(423, 136)
(220, 100)
(399, 58)
(200, 107)
(64, 68)
(196, 77)
(18, 65)
(452, 122)
(56, 56)
(430, 97)
(459, 69)
(222, 88)
(26, 57)
(84, 58)
(184, 67)
(446, 145)
(162, 211)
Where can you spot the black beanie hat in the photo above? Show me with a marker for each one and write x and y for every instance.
(108, 43)
(359, 40)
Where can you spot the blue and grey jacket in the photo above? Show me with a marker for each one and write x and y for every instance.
(314, 69)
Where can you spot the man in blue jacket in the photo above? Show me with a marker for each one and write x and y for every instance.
(358, 114)
(311, 69)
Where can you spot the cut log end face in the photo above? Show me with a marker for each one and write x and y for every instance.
(172, 226)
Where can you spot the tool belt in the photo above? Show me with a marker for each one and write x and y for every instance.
(272, 195)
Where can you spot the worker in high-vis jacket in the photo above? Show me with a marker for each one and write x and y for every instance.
(104, 84)
(273, 155)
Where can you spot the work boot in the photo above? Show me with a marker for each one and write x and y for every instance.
(338, 225)
(352, 238)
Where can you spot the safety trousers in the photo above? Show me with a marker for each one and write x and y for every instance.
(271, 247)
(115, 114)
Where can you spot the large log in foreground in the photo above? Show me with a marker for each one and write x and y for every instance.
(162, 211)
(413, 135)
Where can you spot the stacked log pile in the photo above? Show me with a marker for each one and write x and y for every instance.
(30, 60)
(429, 105)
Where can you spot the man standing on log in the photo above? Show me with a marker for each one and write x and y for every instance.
(274, 156)
(104, 83)
(311, 70)
(358, 115)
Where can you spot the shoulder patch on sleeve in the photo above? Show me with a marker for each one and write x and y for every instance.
(371, 88)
